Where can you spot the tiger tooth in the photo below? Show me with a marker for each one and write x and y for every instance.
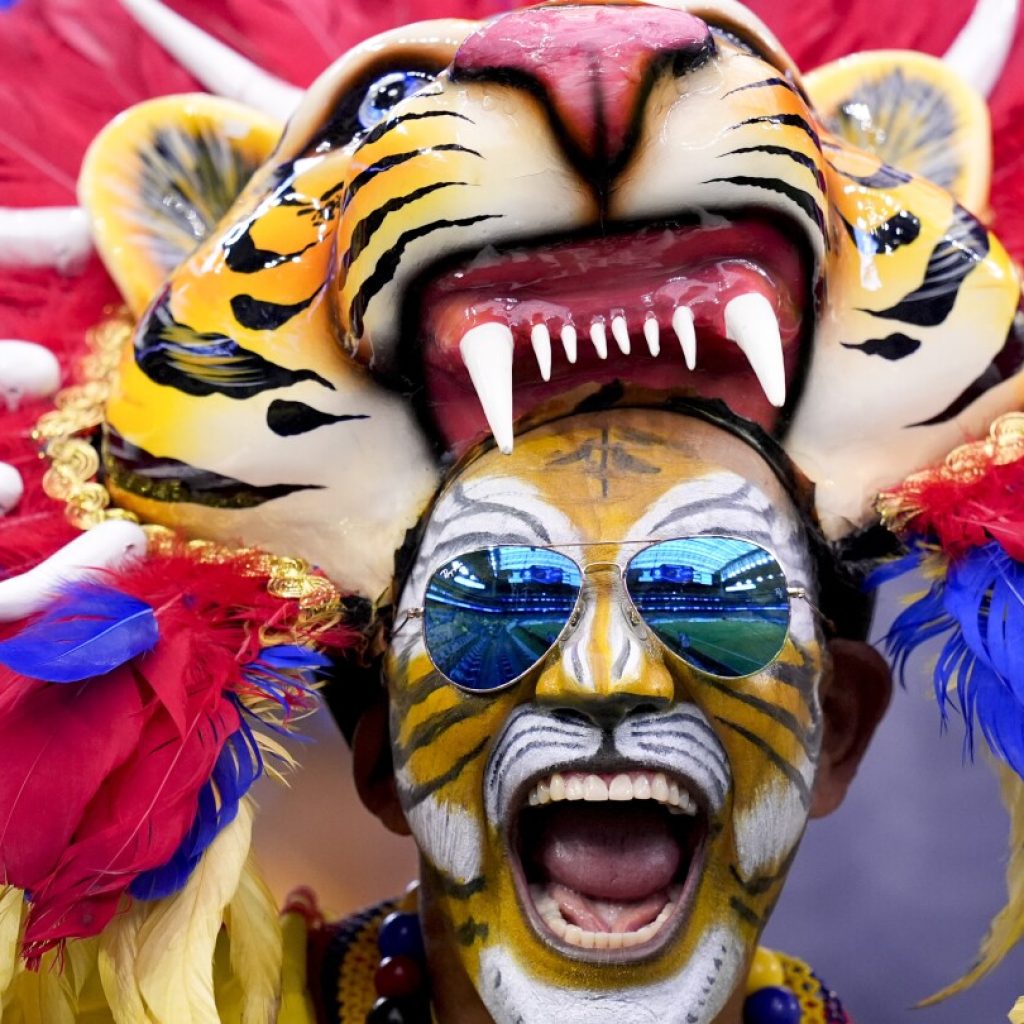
(599, 336)
(620, 332)
(569, 342)
(540, 338)
(487, 353)
(750, 322)
(652, 335)
(682, 324)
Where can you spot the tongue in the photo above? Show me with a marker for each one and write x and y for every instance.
(626, 857)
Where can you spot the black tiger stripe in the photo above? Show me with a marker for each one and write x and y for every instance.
(415, 795)
(792, 120)
(162, 479)
(364, 231)
(803, 199)
(289, 419)
(778, 714)
(962, 248)
(433, 729)
(243, 256)
(1008, 361)
(262, 315)
(386, 127)
(799, 783)
(364, 177)
(469, 931)
(791, 154)
(386, 266)
(892, 347)
(765, 83)
(756, 887)
(746, 913)
(461, 890)
(885, 177)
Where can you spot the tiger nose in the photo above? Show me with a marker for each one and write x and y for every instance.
(592, 65)
(606, 661)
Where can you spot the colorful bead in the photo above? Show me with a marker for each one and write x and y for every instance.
(398, 977)
(400, 935)
(772, 1006)
(766, 971)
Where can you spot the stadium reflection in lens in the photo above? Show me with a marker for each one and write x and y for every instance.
(491, 614)
(719, 603)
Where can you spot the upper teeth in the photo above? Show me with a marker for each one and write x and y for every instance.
(638, 785)
(488, 350)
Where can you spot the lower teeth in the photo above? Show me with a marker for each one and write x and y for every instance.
(576, 936)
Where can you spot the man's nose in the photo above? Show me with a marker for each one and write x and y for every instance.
(592, 66)
(607, 664)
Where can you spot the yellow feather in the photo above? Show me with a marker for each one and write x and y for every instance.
(12, 907)
(177, 940)
(296, 1005)
(1007, 926)
(119, 947)
(254, 932)
(1017, 1013)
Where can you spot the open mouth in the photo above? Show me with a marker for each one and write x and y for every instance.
(608, 864)
(714, 308)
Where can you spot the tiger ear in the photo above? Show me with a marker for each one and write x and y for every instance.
(912, 111)
(156, 181)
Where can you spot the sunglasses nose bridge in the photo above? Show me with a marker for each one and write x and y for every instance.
(605, 651)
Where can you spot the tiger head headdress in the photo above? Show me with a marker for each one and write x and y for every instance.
(467, 227)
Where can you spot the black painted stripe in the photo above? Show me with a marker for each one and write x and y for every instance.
(777, 714)
(162, 479)
(243, 256)
(417, 794)
(773, 755)
(807, 203)
(364, 177)
(202, 364)
(963, 247)
(461, 890)
(469, 931)
(885, 177)
(791, 154)
(386, 266)
(765, 83)
(386, 127)
(263, 315)
(745, 912)
(364, 231)
(900, 229)
(289, 419)
(892, 347)
(792, 120)
(1008, 361)
(433, 729)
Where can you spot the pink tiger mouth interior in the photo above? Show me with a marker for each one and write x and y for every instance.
(610, 869)
(712, 309)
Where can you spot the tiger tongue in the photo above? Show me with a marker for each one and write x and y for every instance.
(608, 870)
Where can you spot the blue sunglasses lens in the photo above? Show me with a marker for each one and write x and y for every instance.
(719, 603)
(490, 615)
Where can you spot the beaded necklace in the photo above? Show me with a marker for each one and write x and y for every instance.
(381, 977)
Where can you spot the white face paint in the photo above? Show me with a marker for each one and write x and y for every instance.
(609, 725)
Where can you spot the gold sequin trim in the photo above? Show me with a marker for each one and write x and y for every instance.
(800, 980)
(964, 465)
(65, 436)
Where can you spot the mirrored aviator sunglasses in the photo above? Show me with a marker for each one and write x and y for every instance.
(721, 604)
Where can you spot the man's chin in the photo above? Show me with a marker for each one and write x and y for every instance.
(515, 991)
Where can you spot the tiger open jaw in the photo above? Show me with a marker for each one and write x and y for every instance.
(607, 863)
(715, 309)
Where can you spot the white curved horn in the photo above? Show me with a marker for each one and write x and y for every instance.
(222, 70)
(980, 51)
(46, 236)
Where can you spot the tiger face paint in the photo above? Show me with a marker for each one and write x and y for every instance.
(456, 228)
(561, 901)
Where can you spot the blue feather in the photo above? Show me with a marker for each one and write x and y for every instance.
(979, 609)
(237, 767)
(89, 631)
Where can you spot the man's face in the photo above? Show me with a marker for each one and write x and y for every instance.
(610, 831)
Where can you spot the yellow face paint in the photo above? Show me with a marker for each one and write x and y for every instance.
(542, 811)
